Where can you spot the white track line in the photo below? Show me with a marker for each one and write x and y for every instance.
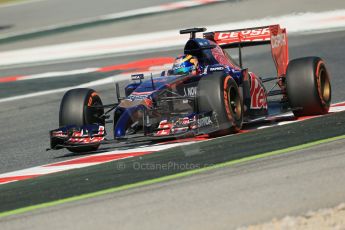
(295, 23)
(58, 74)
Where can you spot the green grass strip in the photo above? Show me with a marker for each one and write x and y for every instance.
(8, 1)
(170, 177)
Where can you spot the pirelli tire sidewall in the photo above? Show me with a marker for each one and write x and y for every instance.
(308, 86)
(76, 108)
(215, 93)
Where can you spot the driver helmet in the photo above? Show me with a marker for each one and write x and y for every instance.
(185, 64)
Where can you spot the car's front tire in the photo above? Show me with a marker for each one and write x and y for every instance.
(77, 108)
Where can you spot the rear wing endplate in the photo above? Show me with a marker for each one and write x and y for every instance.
(273, 35)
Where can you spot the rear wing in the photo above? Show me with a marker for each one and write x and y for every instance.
(273, 35)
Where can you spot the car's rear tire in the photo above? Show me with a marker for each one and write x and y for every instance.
(308, 86)
(75, 109)
(220, 94)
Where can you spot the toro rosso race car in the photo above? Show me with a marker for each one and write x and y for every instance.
(215, 100)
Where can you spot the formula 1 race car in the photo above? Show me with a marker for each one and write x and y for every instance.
(216, 101)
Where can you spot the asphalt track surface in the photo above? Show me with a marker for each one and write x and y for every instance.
(198, 155)
(225, 198)
(252, 192)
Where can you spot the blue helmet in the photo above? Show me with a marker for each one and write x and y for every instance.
(185, 64)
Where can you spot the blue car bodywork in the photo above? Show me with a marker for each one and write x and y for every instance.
(167, 105)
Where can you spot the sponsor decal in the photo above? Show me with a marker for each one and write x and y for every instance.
(218, 68)
(258, 94)
(258, 34)
(186, 121)
(190, 92)
(58, 134)
(137, 97)
(278, 40)
(83, 137)
(183, 121)
(179, 130)
(135, 77)
(166, 128)
(205, 121)
(182, 125)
